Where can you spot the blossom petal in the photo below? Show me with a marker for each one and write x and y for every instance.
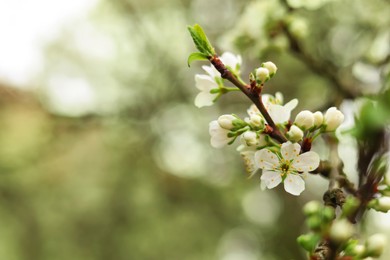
(211, 71)
(271, 179)
(205, 83)
(267, 99)
(291, 104)
(265, 159)
(218, 141)
(253, 110)
(279, 98)
(306, 162)
(214, 127)
(249, 159)
(279, 113)
(262, 185)
(294, 184)
(204, 99)
(231, 60)
(290, 151)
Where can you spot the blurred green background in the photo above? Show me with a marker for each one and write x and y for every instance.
(103, 154)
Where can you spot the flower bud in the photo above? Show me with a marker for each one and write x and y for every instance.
(312, 207)
(359, 249)
(250, 138)
(328, 214)
(226, 121)
(375, 245)
(304, 119)
(341, 231)
(353, 248)
(380, 204)
(333, 119)
(271, 67)
(262, 74)
(314, 223)
(295, 134)
(350, 205)
(308, 241)
(299, 28)
(318, 119)
(257, 121)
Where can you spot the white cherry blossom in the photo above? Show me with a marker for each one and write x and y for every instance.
(286, 167)
(279, 113)
(206, 82)
(219, 135)
(232, 61)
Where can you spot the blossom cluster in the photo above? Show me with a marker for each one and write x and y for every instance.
(286, 159)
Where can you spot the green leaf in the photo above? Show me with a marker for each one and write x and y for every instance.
(200, 40)
(197, 40)
(196, 56)
(204, 38)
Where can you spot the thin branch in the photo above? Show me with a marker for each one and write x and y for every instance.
(254, 94)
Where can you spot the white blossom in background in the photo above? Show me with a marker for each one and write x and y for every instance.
(219, 135)
(286, 167)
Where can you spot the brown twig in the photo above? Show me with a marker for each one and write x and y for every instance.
(253, 93)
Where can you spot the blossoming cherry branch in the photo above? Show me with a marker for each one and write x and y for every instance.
(269, 139)
(281, 147)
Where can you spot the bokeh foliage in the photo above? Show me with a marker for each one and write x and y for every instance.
(133, 176)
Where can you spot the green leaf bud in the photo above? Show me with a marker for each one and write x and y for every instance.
(312, 207)
(308, 241)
